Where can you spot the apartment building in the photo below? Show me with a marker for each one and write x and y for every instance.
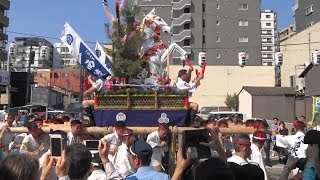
(287, 32)
(4, 23)
(40, 48)
(221, 28)
(269, 37)
(62, 57)
(306, 13)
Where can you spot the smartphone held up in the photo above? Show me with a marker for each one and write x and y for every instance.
(55, 145)
(191, 144)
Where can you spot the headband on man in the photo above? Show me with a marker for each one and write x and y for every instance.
(299, 123)
(245, 143)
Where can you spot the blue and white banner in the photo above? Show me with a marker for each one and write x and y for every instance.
(78, 48)
(103, 58)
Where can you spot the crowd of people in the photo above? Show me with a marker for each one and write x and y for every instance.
(124, 154)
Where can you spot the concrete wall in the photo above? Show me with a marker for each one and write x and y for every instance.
(296, 52)
(269, 107)
(245, 103)
(220, 80)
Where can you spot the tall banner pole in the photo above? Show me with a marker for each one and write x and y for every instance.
(168, 64)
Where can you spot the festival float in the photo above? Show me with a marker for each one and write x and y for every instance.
(139, 88)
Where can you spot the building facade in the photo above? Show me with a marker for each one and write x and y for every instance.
(306, 13)
(21, 49)
(297, 53)
(62, 57)
(4, 23)
(220, 28)
(269, 37)
(287, 32)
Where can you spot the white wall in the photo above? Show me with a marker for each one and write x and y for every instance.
(220, 80)
(245, 103)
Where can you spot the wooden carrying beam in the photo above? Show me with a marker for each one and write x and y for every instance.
(232, 129)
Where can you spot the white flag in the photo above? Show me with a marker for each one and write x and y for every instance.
(103, 58)
(78, 48)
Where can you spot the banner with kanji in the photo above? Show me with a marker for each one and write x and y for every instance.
(80, 50)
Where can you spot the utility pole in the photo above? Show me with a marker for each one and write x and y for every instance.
(9, 85)
(31, 58)
(309, 43)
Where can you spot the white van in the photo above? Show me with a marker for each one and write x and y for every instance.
(229, 114)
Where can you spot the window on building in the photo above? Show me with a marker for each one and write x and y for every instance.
(186, 42)
(309, 9)
(269, 32)
(243, 6)
(268, 24)
(243, 23)
(203, 39)
(218, 55)
(268, 16)
(243, 39)
(218, 6)
(218, 23)
(186, 26)
(186, 10)
(203, 22)
(218, 39)
(267, 64)
(203, 7)
(269, 40)
(310, 24)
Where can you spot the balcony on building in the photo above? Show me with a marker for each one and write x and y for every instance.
(181, 36)
(4, 20)
(4, 4)
(266, 33)
(180, 4)
(294, 8)
(185, 18)
(3, 36)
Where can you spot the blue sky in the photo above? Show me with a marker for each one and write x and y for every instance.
(46, 18)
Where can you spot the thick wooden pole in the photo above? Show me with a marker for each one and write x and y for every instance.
(232, 129)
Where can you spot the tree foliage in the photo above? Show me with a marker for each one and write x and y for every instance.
(125, 53)
(232, 101)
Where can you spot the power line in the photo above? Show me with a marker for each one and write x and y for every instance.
(48, 37)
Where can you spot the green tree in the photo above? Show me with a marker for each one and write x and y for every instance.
(126, 61)
(232, 101)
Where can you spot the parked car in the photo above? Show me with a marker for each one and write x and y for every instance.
(229, 114)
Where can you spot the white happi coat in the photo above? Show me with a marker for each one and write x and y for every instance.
(295, 144)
